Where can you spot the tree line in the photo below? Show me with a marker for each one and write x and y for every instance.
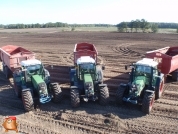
(143, 25)
(134, 25)
(50, 25)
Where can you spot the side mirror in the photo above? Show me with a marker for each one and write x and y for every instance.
(103, 67)
(125, 67)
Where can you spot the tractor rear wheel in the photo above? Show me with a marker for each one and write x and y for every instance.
(57, 92)
(104, 95)
(17, 89)
(148, 101)
(75, 97)
(27, 100)
(159, 91)
(120, 94)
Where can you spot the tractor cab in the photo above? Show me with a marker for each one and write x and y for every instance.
(143, 76)
(36, 77)
(145, 70)
(86, 67)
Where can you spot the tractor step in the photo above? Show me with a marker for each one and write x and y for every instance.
(93, 98)
(129, 100)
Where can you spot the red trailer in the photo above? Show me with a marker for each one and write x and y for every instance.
(11, 56)
(167, 58)
(85, 49)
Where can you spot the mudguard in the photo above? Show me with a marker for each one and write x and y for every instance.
(150, 91)
(123, 85)
(159, 80)
(102, 85)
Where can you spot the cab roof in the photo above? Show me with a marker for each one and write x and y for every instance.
(85, 59)
(147, 62)
(30, 62)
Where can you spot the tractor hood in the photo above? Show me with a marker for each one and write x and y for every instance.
(139, 83)
(87, 78)
(36, 80)
(88, 85)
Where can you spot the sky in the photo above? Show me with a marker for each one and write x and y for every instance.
(87, 11)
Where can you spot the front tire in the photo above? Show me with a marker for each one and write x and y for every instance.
(27, 100)
(104, 96)
(57, 93)
(75, 97)
(147, 103)
(120, 94)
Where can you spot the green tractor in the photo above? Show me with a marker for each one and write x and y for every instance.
(87, 82)
(145, 85)
(32, 84)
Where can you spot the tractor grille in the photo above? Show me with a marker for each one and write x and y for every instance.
(43, 88)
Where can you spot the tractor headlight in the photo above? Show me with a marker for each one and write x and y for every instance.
(43, 89)
(134, 88)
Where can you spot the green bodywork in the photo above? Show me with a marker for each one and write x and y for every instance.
(88, 79)
(36, 80)
(139, 82)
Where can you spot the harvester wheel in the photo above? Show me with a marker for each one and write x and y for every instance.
(147, 103)
(120, 94)
(75, 97)
(159, 91)
(104, 95)
(17, 89)
(27, 100)
(57, 92)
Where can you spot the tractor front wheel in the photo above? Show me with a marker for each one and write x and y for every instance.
(159, 91)
(75, 97)
(57, 92)
(120, 94)
(27, 100)
(147, 103)
(103, 96)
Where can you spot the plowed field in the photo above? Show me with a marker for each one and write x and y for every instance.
(115, 50)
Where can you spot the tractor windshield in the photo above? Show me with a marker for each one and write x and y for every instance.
(87, 68)
(34, 69)
(141, 69)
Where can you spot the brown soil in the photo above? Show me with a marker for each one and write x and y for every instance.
(115, 50)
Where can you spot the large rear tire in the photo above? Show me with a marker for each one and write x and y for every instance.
(57, 92)
(75, 97)
(27, 100)
(104, 96)
(147, 103)
(120, 94)
(159, 91)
